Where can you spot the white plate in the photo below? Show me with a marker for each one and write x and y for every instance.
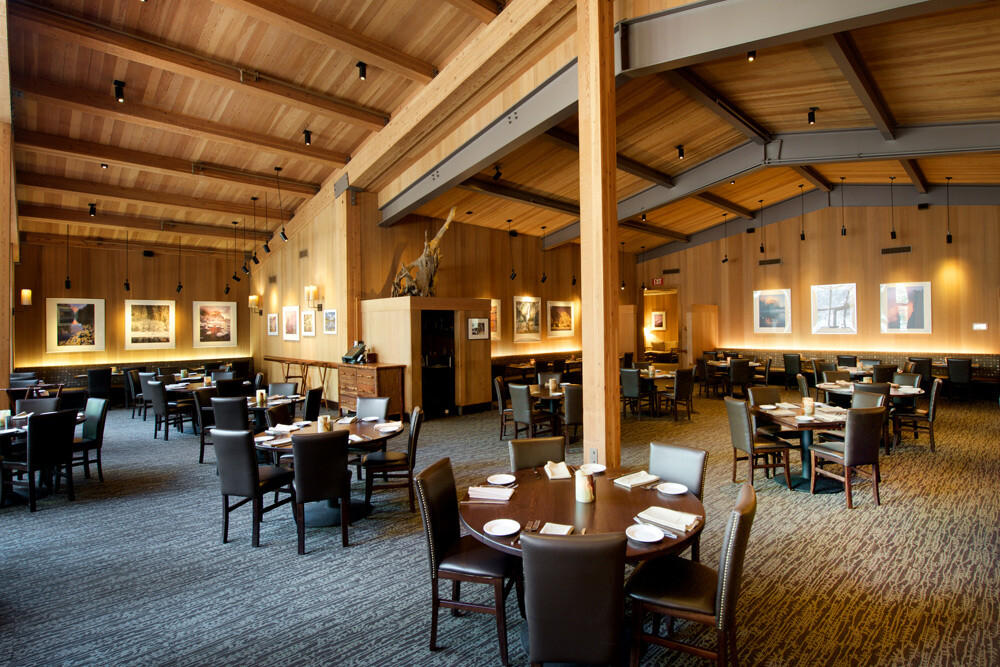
(301, 424)
(767, 406)
(369, 419)
(804, 418)
(672, 488)
(644, 533)
(592, 468)
(501, 527)
(501, 479)
(263, 438)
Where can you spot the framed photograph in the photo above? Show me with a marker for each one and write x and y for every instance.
(495, 319)
(308, 322)
(658, 321)
(290, 322)
(74, 325)
(330, 321)
(527, 319)
(149, 325)
(272, 324)
(835, 309)
(479, 328)
(905, 308)
(772, 311)
(561, 322)
(214, 323)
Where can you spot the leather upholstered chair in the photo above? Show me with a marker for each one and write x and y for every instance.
(231, 388)
(279, 414)
(632, 393)
(282, 388)
(49, 449)
(99, 382)
(681, 393)
(849, 360)
(92, 440)
(902, 404)
(923, 367)
(769, 396)
(506, 413)
(836, 399)
(918, 420)
(819, 367)
(461, 558)
(396, 466)
(959, 376)
(525, 415)
(313, 403)
(860, 448)
(682, 465)
(533, 452)
(762, 374)
(240, 475)
(572, 410)
(204, 416)
(144, 379)
(37, 405)
(231, 413)
(166, 412)
(793, 367)
(321, 473)
(803, 385)
(758, 449)
(545, 376)
(567, 622)
(739, 376)
(883, 373)
(688, 590)
(222, 375)
(377, 406)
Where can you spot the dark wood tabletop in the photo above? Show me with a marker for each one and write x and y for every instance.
(372, 438)
(538, 498)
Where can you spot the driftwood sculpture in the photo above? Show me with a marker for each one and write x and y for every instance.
(417, 278)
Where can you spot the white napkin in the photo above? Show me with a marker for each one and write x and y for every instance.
(668, 518)
(557, 470)
(827, 418)
(788, 406)
(350, 419)
(555, 529)
(355, 438)
(640, 478)
(491, 492)
(389, 426)
(832, 409)
(284, 428)
(781, 413)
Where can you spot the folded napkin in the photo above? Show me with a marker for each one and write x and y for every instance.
(843, 383)
(788, 406)
(284, 428)
(350, 419)
(668, 518)
(828, 418)
(640, 478)
(555, 529)
(355, 438)
(369, 419)
(781, 413)
(179, 385)
(389, 426)
(557, 470)
(279, 442)
(43, 392)
(491, 492)
(832, 409)
(23, 415)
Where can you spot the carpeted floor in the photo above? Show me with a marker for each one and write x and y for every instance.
(134, 572)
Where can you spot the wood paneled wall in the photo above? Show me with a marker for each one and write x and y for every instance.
(964, 276)
(100, 274)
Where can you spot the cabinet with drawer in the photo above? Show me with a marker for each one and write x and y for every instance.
(370, 380)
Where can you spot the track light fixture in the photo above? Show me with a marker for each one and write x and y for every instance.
(892, 211)
(751, 56)
(497, 174)
(277, 180)
(574, 280)
(283, 235)
(119, 90)
(236, 276)
(947, 207)
(93, 210)
(544, 277)
(267, 248)
(644, 216)
(362, 70)
(511, 235)
(245, 269)
(843, 227)
(680, 151)
(513, 274)
(802, 213)
(812, 115)
(179, 286)
(104, 165)
(307, 136)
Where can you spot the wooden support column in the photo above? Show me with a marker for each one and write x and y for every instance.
(8, 240)
(598, 232)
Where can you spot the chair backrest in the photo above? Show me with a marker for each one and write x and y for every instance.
(144, 379)
(520, 402)
(627, 359)
(132, 383)
(767, 371)
(221, 375)
(882, 388)
(866, 399)
(321, 470)
(99, 382)
(96, 416)
(883, 373)
(734, 551)
(237, 461)
(156, 394)
(630, 382)
(241, 368)
(533, 452)
(862, 435)
(683, 383)
(869, 362)
(739, 371)
(203, 399)
(279, 414)
(820, 366)
(27, 382)
(793, 363)
(959, 370)
(258, 382)
(906, 379)
(567, 622)
(558, 366)
(682, 465)
(641, 365)
(37, 405)
(23, 375)
(701, 368)
(282, 388)
(544, 377)
(572, 403)
(710, 354)
(803, 385)
(740, 428)
(314, 400)
(377, 406)
(764, 395)
(932, 406)
(50, 438)
(847, 360)
(922, 367)
(499, 387)
(231, 413)
(167, 370)
(438, 500)
(231, 388)
(833, 376)
(416, 419)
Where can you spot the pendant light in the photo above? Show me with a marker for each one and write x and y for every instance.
(254, 239)
(245, 268)
(128, 287)
(623, 266)
(267, 248)
(68, 283)
(947, 208)
(761, 223)
(892, 211)
(281, 215)
(542, 241)
(725, 237)
(236, 274)
(642, 251)
(843, 226)
(510, 246)
(179, 286)
(226, 291)
(802, 214)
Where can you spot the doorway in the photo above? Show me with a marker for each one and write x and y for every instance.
(660, 324)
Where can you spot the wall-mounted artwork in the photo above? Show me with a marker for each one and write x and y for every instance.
(494, 319)
(479, 328)
(308, 322)
(272, 324)
(74, 325)
(905, 307)
(290, 322)
(330, 321)
(214, 323)
(658, 321)
(527, 319)
(835, 309)
(149, 325)
(772, 311)
(561, 322)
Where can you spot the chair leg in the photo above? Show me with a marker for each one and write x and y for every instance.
(100, 471)
(369, 482)
(930, 434)
(31, 491)
(788, 474)
(345, 519)
(225, 519)
(409, 487)
(875, 478)
(69, 479)
(258, 506)
(847, 487)
(456, 595)
(435, 608)
(638, 614)
(812, 473)
(86, 464)
(300, 526)
(734, 465)
(501, 619)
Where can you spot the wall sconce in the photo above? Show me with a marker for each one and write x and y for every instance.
(26, 297)
(253, 302)
(312, 293)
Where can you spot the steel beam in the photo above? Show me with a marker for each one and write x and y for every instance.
(698, 89)
(568, 140)
(497, 189)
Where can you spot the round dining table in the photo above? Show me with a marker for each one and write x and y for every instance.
(848, 389)
(537, 498)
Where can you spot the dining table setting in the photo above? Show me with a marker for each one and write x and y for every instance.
(804, 418)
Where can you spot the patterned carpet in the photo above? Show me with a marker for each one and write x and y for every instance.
(134, 572)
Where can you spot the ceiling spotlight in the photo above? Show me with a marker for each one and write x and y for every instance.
(119, 90)
(93, 210)
(802, 236)
(544, 277)
(128, 287)
(267, 248)
(644, 217)
(179, 287)
(245, 269)
(283, 235)
(254, 259)
(307, 135)
(236, 277)
(680, 152)
(512, 274)
(362, 70)
(947, 192)
(497, 174)
(623, 285)
(812, 115)
(68, 283)
(574, 279)
(732, 182)
(751, 56)
(104, 165)
(227, 289)
(843, 231)
(762, 248)
(725, 258)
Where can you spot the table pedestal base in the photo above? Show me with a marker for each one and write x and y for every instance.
(327, 513)
(823, 484)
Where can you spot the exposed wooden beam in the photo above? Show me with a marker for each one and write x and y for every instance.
(304, 23)
(848, 59)
(813, 176)
(561, 137)
(106, 105)
(118, 193)
(51, 144)
(41, 238)
(104, 39)
(496, 189)
(53, 214)
(481, 10)
(647, 228)
(724, 205)
(700, 91)
(915, 174)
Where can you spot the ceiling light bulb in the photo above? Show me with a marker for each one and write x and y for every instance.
(119, 90)
(307, 135)
(245, 269)
(227, 289)
(93, 210)
(751, 56)
(812, 115)
(623, 284)
(680, 151)
(362, 70)
(267, 248)
(104, 165)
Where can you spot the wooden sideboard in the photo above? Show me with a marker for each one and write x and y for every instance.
(370, 380)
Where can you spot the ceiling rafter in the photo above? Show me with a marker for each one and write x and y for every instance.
(496, 189)
(106, 105)
(915, 174)
(566, 139)
(162, 56)
(305, 24)
(724, 204)
(692, 85)
(49, 144)
(845, 53)
(97, 242)
(481, 10)
(653, 230)
(813, 176)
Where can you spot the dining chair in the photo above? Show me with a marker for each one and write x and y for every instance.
(204, 416)
(282, 388)
(959, 376)
(679, 588)
(883, 373)
(793, 366)
(922, 366)
(759, 449)
(526, 418)
(832, 377)
(231, 388)
(461, 558)
(279, 414)
(680, 394)
(641, 365)
(918, 420)
(558, 366)
(312, 405)
(506, 413)
(819, 367)
(258, 382)
(769, 396)
(869, 361)
(681, 465)
(534, 452)
(144, 379)
(803, 385)
(23, 375)
(321, 473)
(222, 375)
(165, 412)
(762, 374)
(48, 452)
(902, 404)
(92, 437)
(710, 354)
(241, 476)
(739, 375)
(25, 382)
(545, 376)
(860, 448)
(240, 368)
(632, 393)
(850, 360)
(131, 377)
(396, 466)
(377, 406)
(37, 405)
(566, 622)
(99, 382)
(231, 413)
(627, 359)
(859, 399)
(572, 412)
(167, 370)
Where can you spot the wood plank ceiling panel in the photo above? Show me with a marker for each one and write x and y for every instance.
(493, 212)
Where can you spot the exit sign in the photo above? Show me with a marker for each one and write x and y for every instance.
(657, 282)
